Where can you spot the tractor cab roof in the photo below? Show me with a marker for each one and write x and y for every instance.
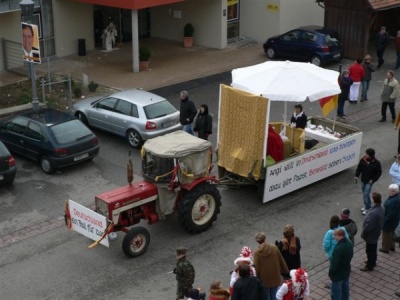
(175, 145)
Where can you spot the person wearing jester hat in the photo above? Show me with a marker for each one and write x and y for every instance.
(245, 257)
(296, 288)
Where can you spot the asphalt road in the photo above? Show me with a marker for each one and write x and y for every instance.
(56, 264)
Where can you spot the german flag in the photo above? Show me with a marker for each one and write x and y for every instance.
(328, 104)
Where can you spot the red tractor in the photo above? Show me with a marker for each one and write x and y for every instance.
(176, 169)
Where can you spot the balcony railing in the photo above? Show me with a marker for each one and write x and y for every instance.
(13, 5)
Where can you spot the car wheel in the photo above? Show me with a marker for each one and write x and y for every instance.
(82, 117)
(199, 208)
(136, 241)
(46, 165)
(271, 53)
(134, 138)
(316, 60)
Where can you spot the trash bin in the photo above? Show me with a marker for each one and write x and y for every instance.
(81, 47)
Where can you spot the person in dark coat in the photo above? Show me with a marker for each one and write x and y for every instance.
(346, 222)
(247, 287)
(187, 112)
(203, 124)
(340, 267)
(345, 84)
(299, 118)
(370, 170)
(290, 247)
(372, 230)
(368, 69)
(391, 218)
(382, 40)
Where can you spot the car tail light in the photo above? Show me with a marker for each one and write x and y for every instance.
(11, 161)
(95, 141)
(325, 49)
(150, 125)
(61, 151)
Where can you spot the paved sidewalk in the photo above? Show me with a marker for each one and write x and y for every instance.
(170, 64)
(379, 284)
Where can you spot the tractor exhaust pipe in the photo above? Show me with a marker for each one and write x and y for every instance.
(130, 169)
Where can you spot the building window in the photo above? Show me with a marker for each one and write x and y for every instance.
(46, 28)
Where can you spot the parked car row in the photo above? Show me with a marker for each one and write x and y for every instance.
(57, 139)
(316, 44)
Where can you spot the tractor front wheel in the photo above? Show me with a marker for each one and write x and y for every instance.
(136, 241)
(199, 208)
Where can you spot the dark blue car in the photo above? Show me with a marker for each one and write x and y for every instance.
(53, 138)
(315, 44)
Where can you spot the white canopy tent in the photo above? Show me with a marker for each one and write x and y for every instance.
(286, 81)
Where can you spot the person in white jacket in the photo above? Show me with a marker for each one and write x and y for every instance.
(297, 287)
(394, 171)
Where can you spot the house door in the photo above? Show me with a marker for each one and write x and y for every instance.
(126, 24)
(233, 17)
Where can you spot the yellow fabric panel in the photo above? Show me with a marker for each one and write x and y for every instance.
(241, 132)
(296, 137)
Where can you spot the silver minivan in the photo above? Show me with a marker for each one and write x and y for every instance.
(135, 114)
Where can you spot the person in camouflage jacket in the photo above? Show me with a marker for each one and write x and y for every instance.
(184, 274)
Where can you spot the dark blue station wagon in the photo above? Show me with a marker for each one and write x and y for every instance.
(315, 44)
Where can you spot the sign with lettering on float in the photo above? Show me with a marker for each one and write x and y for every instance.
(311, 166)
(88, 222)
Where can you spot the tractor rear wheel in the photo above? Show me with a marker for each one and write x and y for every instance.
(136, 241)
(199, 208)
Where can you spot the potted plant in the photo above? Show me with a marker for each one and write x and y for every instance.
(144, 58)
(188, 31)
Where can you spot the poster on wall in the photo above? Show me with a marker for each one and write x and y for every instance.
(30, 43)
(233, 10)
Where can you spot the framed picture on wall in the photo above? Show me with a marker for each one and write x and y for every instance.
(233, 10)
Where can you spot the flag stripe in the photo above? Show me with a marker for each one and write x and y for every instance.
(328, 104)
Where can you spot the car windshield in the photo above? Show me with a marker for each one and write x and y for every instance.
(69, 131)
(159, 109)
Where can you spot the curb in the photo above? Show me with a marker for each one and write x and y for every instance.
(15, 110)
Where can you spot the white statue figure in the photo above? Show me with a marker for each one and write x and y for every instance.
(108, 36)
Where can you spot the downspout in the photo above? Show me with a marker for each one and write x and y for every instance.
(319, 2)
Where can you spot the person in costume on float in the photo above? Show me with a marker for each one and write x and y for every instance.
(299, 118)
